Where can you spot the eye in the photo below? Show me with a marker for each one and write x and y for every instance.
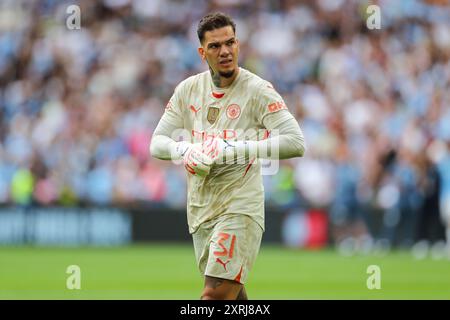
(214, 46)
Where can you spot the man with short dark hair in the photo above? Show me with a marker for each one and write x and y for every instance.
(231, 119)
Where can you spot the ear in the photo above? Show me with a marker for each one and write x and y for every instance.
(201, 53)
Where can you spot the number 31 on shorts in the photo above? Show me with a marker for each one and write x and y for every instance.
(226, 251)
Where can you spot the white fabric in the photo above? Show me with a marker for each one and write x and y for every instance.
(249, 108)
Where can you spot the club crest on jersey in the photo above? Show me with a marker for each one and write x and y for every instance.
(213, 112)
(233, 111)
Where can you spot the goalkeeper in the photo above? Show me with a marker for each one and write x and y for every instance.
(221, 113)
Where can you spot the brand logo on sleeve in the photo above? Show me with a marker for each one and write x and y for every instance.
(276, 106)
(233, 111)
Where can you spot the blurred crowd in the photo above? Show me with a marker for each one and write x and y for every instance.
(78, 107)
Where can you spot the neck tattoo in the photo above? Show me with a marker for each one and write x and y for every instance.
(215, 77)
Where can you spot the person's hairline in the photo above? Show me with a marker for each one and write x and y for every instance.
(231, 24)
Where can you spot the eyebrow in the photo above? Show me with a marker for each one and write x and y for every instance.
(219, 43)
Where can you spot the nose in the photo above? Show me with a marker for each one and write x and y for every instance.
(224, 51)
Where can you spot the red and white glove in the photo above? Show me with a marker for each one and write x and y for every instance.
(214, 147)
(195, 161)
(226, 151)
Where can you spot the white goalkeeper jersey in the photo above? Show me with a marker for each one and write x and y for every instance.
(239, 112)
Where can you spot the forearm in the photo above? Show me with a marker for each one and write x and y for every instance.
(161, 147)
(286, 141)
(281, 147)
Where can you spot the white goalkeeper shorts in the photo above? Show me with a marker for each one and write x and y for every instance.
(226, 247)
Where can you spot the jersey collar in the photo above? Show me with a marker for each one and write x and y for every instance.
(217, 92)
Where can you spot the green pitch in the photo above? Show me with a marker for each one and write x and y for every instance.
(161, 271)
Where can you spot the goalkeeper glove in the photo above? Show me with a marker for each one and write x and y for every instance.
(227, 150)
(195, 161)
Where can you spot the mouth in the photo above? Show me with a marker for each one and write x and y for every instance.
(225, 62)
